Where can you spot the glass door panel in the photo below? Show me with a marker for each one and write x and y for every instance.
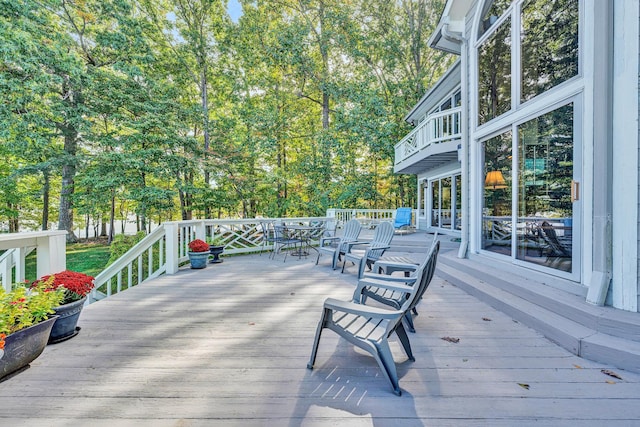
(435, 203)
(496, 210)
(445, 209)
(545, 174)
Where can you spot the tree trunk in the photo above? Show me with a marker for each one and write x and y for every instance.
(65, 216)
(46, 187)
(112, 219)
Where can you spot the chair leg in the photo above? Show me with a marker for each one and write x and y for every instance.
(361, 268)
(388, 365)
(404, 340)
(409, 320)
(316, 341)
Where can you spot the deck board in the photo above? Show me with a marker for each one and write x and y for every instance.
(228, 345)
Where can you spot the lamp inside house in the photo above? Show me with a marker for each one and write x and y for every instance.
(494, 180)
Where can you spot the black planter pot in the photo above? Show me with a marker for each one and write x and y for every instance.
(24, 346)
(216, 251)
(65, 326)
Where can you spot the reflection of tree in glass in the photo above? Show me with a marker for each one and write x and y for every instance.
(546, 164)
(494, 74)
(549, 37)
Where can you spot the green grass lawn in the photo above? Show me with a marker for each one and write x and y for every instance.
(87, 258)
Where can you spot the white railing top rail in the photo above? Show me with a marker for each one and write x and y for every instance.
(131, 255)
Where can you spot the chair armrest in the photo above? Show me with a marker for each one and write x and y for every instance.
(361, 310)
(346, 246)
(385, 278)
(328, 239)
(398, 266)
(362, 284)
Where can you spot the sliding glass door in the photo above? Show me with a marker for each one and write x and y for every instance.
(531, 193)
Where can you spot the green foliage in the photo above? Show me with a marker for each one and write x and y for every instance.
(121, 244)
(24, 307)
(168, 110)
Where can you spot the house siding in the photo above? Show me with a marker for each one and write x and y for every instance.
(638, 281)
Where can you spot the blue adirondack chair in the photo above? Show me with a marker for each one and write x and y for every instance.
(402, 219)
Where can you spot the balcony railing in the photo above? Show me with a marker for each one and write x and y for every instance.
(437, 128)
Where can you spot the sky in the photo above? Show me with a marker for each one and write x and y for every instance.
(234, 9)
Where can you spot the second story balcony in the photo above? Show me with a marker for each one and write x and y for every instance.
(433, 142)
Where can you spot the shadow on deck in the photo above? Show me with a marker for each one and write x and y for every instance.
(228, 345)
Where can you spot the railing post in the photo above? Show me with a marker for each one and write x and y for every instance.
(19, 257)
(172, 241)
(51, 254)
(201, 231)
(5, 268)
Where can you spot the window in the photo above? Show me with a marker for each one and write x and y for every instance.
(547, 51)
(549, 37)
(494, 74)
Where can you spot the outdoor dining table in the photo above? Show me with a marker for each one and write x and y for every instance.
(304, 233)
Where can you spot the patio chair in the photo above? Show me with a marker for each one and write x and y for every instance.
(337, 245)
(380, 243)
(369, 328)
(402, 221)
(374, 285)
(555, 247)
(268, 235)
(284, 239)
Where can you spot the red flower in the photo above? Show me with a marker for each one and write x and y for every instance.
(198, 245)
(2, 337)
(77, 284)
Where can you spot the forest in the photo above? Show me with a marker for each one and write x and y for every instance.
(162, 110)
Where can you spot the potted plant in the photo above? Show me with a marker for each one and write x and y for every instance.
(216, 247)
(198, 253)
(75, 286)
(26, 319)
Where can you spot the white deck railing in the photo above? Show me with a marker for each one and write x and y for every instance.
(437, 128)
(162, 251)
(166, 248)
(366, 217)
(50, 254)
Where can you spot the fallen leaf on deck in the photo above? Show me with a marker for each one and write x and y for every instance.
(577, 366)
(252, 323)
(610, 382)
(524, 386)
(610, 373)
(450, 339)
(486, 319)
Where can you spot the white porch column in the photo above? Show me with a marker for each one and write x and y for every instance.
(172, 241)
(50, 254)
(625, 128)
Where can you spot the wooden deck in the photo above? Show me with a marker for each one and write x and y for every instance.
(228, 345)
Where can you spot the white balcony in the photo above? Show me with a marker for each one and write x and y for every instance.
(433, 142)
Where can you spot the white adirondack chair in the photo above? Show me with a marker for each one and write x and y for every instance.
(369, 328)
(336, 245)
(365, 258)
(373, 285)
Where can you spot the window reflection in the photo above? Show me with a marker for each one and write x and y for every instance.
(492, 11)
(496, 209)
(545, 171)
(494, 74)
(549, 36)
